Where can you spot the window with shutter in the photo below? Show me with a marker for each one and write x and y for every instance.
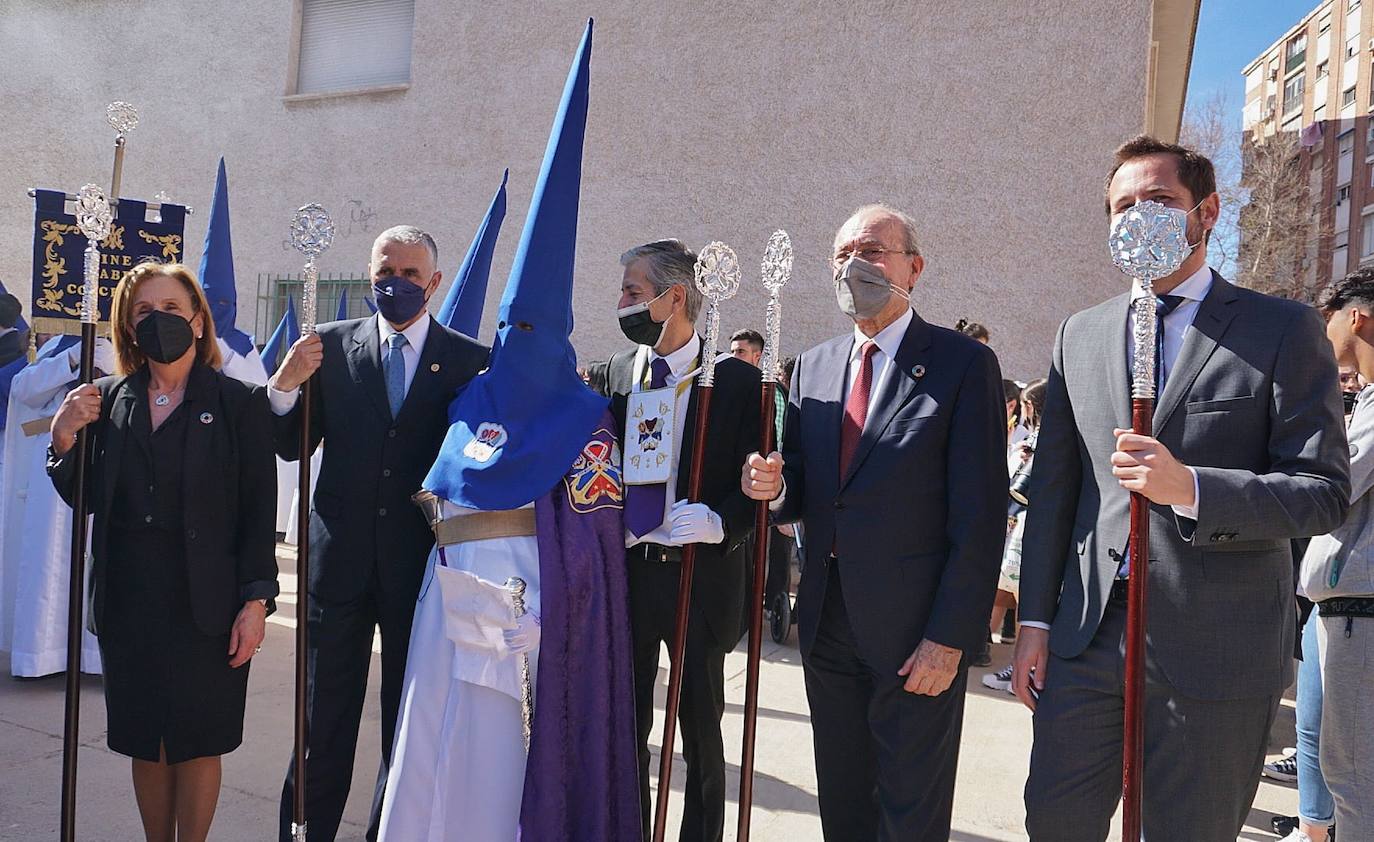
(350, 45)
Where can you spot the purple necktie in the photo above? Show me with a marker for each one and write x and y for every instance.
(644, 504)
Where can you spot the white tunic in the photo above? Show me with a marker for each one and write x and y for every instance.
(458, 764)
(35, 550)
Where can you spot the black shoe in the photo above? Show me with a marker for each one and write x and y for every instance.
(1283, 825)
(983, 657)
(1009, 626)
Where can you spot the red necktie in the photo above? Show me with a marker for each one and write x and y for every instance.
(856, 409)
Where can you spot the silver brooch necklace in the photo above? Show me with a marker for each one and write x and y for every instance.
(166, 397)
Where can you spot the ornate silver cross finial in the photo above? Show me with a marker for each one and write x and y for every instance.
(777, 271)
(93, 218)
(312, 232)
(122, 117)
(717, 278)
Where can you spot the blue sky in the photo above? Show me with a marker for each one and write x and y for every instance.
(1230, 33)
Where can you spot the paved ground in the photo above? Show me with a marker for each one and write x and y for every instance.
(992, 763)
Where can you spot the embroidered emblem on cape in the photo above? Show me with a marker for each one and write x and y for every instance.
(594, 481)
(650, 434)
(488, 439)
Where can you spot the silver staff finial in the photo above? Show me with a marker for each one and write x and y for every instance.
(1148, 242)
(93, 218)
(717, 278)
(777, 271)
(122, 117)
(312, 232)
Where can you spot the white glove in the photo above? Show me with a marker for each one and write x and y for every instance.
(524, 638)
(695, 523)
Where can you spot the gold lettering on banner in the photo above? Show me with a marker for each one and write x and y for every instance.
(55, 266)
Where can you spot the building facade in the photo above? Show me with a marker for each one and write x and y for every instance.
(1315, 83)
(710, 120)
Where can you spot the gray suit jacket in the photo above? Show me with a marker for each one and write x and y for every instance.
(1253, 405)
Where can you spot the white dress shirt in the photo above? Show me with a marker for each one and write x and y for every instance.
(680, 367)
(415, 335)
(888, 340)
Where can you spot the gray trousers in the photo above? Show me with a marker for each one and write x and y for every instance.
(1347, 741)
(1202, 758)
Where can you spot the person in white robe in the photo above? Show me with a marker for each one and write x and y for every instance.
(35, 552)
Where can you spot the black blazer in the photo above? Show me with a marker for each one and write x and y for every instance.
(732, 433)
(363, 522)
(230, 491)
(918, 521)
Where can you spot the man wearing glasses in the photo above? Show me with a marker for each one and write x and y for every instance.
(894, 461)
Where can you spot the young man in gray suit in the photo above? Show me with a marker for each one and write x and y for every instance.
(895, 463)
(1248, 451)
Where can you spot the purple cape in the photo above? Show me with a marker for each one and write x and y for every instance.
(582, 778)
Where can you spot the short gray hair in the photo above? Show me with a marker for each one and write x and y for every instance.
(409, 234)
(670, 262)
(902, 218)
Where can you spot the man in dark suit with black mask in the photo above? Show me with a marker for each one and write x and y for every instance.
(381, 390)
(659, 304)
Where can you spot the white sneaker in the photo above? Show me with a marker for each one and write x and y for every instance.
(1296, 836)
(1000, 680)
(1285, 768)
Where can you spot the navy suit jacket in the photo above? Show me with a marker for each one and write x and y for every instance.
(918, 521)
(363, 524)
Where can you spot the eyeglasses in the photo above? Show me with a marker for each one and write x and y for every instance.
(870, 253)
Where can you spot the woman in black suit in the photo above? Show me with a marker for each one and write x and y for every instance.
(183, 488)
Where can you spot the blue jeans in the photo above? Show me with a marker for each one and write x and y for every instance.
(1314, 799)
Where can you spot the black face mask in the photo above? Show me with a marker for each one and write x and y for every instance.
(164, 337)
(638, 326)
(1349, 398)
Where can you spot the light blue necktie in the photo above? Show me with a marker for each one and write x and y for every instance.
(394, 370)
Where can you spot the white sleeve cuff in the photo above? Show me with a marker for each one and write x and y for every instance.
(776, 503)
(282, 402)
(1034, 624)
(1190, 512)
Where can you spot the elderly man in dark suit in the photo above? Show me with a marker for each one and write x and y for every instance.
(380, 398)
(895, 464)
(659, 305)
(1247, 452)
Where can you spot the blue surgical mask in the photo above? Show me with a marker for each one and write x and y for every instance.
(398, 300)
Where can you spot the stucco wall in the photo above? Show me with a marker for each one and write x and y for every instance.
(991, 123)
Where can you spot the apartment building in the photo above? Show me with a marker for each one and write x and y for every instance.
(1315, 83)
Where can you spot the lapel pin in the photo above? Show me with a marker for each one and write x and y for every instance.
(918, 371)
(434, 367)
(206, 418)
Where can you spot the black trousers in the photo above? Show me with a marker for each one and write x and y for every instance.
(340, 654)
(885, 758)
(653, 608)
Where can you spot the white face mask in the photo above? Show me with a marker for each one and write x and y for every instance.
(1150, 241)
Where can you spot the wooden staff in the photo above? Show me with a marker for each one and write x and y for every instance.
(93, 218)
(777, 269)
(717, 277)
(1133, 726)
(1147, 243)
(312, 232)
